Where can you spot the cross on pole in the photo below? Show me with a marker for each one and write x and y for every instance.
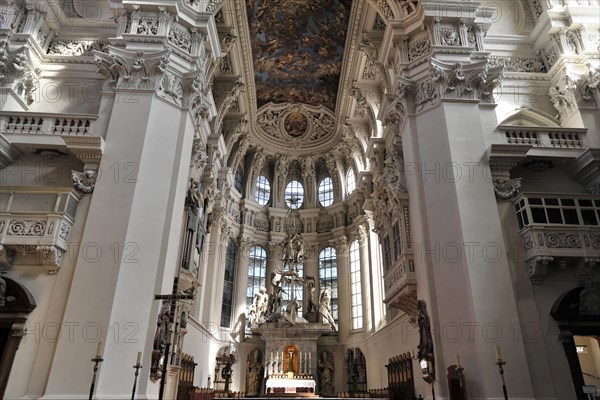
(172, 299)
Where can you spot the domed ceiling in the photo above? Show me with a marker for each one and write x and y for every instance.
(298, 48)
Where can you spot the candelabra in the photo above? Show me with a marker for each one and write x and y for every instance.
(500, 363)
(97, 360)
(137, 367)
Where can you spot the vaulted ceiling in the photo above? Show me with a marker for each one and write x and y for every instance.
(297, 48)
(309, 89)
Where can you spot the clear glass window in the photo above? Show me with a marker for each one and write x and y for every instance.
(328, 277)
(257, 272)
(226, 305)
(326, 192)
(263, 190)
(294, 194)
(350, 181)
(355, 286)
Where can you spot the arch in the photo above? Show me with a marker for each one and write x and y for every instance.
(16, 302)
(577, 312)
(529, 117)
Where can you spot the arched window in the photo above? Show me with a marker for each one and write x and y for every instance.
(350, 181)
(226, 305)
(328, 277)
(297, 292)
(257, 272)
(294, 194)
(326, 192)
(355, 289)
(237, 179)
(263, 190)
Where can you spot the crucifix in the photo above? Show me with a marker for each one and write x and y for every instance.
(172, 300)
(291, 360)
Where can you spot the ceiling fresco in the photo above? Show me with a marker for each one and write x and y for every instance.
(298, 47)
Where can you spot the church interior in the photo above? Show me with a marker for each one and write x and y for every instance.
(208, 199)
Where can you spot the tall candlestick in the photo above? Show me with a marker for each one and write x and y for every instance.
(99, 349)
(137, 367)
(498, 355)
(457, 361)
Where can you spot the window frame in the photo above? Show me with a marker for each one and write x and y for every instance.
(227, 300)
(355, 287)
(328, 276)
(327, 193)
(267, 190)
(252, 287)
(349, 173)
(291, 192)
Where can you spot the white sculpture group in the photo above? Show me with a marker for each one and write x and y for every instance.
(269, 308)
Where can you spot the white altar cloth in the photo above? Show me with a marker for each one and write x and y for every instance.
(290, 383)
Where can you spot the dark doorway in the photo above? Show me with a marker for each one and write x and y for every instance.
(16, 302)
(577, 313)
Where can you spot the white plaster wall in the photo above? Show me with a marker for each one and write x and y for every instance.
(67, 95)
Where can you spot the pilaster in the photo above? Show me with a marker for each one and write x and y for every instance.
(134, 221)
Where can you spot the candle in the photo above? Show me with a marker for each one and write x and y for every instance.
(498, 355)
(99, 349)
(271, 356)
(457, 361)
(139, 358)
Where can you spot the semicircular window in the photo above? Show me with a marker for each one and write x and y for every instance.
(326, 192)
(263, 190)
(294, 194)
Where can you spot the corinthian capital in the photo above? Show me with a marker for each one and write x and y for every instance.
(125, 69)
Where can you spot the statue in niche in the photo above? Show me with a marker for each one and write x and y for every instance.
(361, 366)
(325, 307)
(589, 299)
(325, 373)
(425, 349)
(254, 373)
